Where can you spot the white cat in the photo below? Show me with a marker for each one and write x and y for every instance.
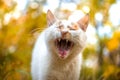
(57, 52)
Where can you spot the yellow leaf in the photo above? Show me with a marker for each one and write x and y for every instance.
(113, 44)
(110, 70)
(117, 34)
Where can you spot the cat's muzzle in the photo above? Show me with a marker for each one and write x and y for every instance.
(63, 46)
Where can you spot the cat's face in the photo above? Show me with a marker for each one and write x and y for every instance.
(66, 38)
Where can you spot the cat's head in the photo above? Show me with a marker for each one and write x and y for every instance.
(65, 38)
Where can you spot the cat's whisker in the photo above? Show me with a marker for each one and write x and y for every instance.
(33, 32)
(76, 40)
(37, 30)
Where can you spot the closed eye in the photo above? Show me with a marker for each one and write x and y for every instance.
(71, 28)
(60, 27)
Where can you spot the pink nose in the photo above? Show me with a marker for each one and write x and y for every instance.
(64, 33)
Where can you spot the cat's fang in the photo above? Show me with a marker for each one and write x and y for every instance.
(66, 41)
(63, 44)
(59, 39)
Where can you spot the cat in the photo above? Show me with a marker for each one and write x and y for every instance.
(57, 52)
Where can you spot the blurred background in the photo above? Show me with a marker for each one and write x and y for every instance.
(21, 21)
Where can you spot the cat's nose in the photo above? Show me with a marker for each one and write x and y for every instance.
(63, 33)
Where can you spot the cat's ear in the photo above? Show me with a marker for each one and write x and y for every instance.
(50, 18)
(83, 22)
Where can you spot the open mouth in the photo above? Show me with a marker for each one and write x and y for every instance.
(63, 46)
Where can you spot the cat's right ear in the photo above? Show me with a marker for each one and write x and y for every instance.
(50, 18)
(83, 22)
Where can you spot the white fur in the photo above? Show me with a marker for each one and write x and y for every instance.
(45, 61)
(39, 59)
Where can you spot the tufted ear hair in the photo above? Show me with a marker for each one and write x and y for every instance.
(50, 18)
(83, 22)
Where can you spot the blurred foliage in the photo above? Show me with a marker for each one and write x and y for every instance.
(18, 36)
(16, 41)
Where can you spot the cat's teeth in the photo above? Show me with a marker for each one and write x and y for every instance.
(59, 40)
(66, 40)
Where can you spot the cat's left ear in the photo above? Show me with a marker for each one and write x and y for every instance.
(50, 18)
(83, 22)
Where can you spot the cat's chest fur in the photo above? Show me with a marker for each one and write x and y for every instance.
(69, 71)
(57, 51)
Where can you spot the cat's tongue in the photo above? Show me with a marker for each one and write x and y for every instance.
(63, 53)
(63, 46)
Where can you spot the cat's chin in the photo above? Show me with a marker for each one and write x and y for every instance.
(63, 47)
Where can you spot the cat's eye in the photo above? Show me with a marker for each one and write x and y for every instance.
(71, 28)
(60, 27)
